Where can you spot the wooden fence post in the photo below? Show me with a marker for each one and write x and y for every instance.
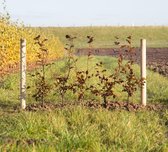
(143, 71)
(23, 73)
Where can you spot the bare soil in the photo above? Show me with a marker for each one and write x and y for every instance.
(157, 58)
(95, 105)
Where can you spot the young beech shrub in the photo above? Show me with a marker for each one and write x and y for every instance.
(80, 85)
(83, 76)
(62, 83)
(105, 84)
(42, 88)
(130, 82)
(123, 75)
(78, 81)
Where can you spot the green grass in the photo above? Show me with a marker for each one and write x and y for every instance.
(82, 129)
(157, 36)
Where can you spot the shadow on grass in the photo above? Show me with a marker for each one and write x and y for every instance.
(164, 101)
(8, 106)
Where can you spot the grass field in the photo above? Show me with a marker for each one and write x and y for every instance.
(79, 128)
(83, 129)
(157, 36)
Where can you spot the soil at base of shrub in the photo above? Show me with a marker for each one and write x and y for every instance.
(95, 105)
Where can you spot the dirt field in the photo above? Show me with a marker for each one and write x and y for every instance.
(157, 58)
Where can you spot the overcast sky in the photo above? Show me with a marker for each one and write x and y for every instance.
(89, 12)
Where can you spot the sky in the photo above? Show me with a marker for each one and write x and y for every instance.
(88, 12)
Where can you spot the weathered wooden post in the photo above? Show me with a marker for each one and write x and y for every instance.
(143, 72)
(23, 73)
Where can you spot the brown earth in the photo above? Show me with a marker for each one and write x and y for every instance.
(157, 58)
(96, 105)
